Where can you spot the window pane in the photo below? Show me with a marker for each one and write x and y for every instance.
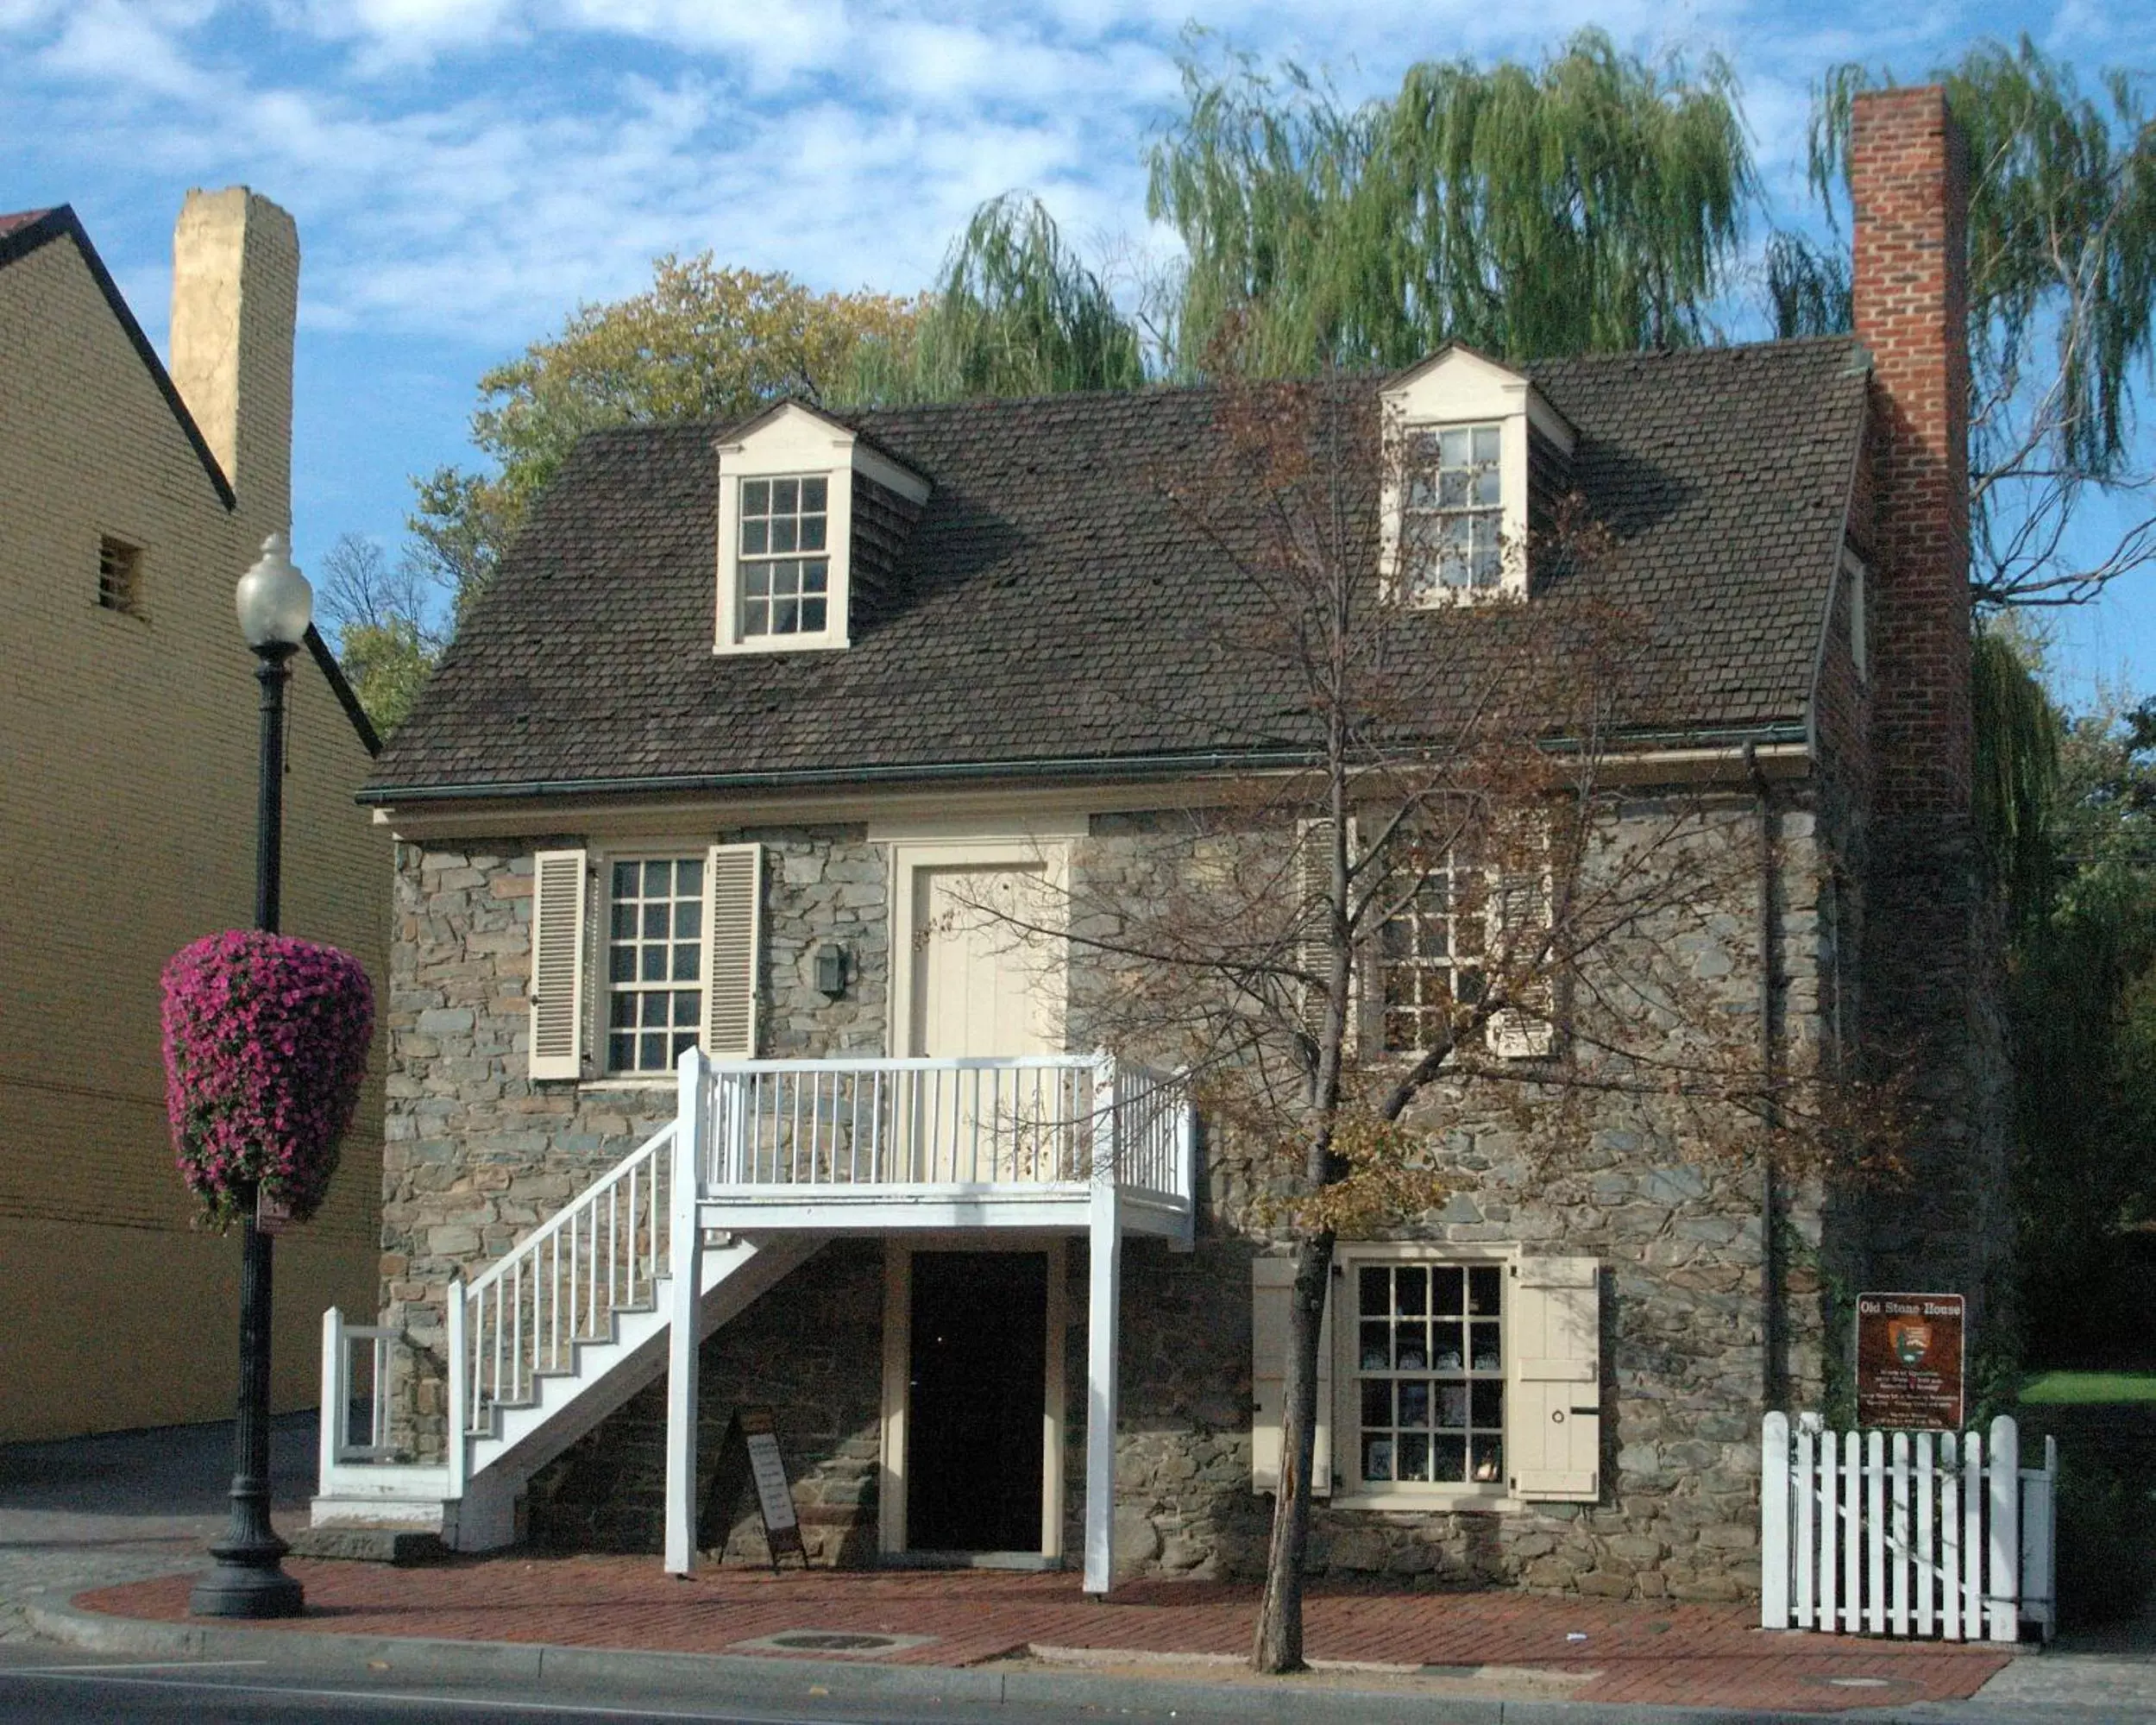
(1452, 445)
(1489, 1460)
(1486, 1357)
(688, 876)
(625, 880)
(814, 495)
(1485, 442)
(785, 496)
(651, 1053)
(1445, 1344)
(683, 1042)
(622, 923)
(1377, 1345)
(689, 919)
(756, 580)
(656, 921)
(756, 537)
(756, 617)
(688, 1008)
(1487, 490)
(658, 879)
(621, 1015)
(1376, 1401)
(756, 497)
(1452, 489)
(621, 964)
(1377, 1295)
(785, 617)
(813, 613)
(1411, 1348)
(653, 968)
(1377, 1458)
(1448, 1460)
(812, 532)
(785, 579)
(785, 535)
(1414, 1456)
(652, 1011)
(1488, 1403)
(1444, 1289)
(815, 577)
(1485, 1282)
(686, 961)
(1415, 1403)
(1452, 1405)
(621, 1054)
(1409, 1287)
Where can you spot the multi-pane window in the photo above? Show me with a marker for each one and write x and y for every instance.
(785, 565)
(655, 958)
(120, 576)
(1431, 947)
(1453, 522)
(1429, 1373)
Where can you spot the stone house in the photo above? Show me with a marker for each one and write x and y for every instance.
(134, 495)
(755, 720)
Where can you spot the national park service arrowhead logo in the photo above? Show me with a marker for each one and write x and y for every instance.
(1912, 1340)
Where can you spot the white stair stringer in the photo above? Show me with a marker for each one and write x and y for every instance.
(565, 1406)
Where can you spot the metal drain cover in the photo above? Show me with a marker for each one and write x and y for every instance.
(846, 1643)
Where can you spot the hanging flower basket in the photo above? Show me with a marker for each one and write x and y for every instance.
(266, 1041)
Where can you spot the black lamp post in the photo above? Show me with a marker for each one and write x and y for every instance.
(275, 606)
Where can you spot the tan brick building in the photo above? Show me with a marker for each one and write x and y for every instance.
(132, 496)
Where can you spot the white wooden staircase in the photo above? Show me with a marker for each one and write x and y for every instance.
(763, 1163)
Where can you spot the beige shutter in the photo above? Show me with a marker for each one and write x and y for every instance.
(1553, 1427)
(557, 964)
(1520, 910)
(1313, 840)
(733, 927)
(1272, 1283)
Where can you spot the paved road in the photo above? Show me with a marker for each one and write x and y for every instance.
(93, 1511)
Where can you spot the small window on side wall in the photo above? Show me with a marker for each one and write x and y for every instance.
(119, 576)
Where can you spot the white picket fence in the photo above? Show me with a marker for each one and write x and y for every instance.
(1905, 1533)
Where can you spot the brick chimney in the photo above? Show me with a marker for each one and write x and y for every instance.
(1910, 184)
(236, 297)
(1932, 937)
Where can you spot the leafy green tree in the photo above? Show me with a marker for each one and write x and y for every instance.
(1594, 202)
(2062, 300)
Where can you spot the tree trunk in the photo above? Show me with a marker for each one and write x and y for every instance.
(1279, 1646)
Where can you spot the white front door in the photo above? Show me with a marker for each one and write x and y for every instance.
(983, 970)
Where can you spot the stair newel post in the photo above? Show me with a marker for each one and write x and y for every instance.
(456, 1448)
(691, 1129)
(335, 1394)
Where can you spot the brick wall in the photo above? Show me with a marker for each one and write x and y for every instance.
(128, 800)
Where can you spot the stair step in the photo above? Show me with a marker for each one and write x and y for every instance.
(403, 1547)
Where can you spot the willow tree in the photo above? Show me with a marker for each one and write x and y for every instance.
(2062, 303)
(1593, 201)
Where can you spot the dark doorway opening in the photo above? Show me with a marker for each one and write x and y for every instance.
(974, 1423)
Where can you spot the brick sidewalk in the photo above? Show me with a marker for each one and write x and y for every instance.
(1670, 1656)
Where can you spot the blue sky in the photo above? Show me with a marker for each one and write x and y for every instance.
(465, 171)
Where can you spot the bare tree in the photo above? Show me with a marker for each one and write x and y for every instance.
(1442, 883)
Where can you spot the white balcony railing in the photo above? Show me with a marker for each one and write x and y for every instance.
(1026, 1123)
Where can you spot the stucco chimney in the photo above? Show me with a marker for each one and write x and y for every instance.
(1910, 184)
(235, 296)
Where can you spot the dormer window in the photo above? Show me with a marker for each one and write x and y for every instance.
(809, 517)
(785, 576)
(1472, 452)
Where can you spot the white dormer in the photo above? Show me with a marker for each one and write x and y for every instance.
(791, 561)
(1467, 443)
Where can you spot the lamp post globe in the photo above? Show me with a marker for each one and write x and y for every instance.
(274, 605)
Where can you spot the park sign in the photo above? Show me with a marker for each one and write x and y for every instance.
(1909, 1355)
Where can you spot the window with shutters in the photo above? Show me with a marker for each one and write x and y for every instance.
(1458, 1375)
(667, 958)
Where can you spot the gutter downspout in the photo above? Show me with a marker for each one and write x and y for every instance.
(1773, 1373)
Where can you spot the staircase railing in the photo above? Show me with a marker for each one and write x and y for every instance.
(525, 1312)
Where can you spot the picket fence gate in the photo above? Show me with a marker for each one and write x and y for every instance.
(1905, 1533)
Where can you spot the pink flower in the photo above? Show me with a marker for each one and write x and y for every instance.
(265, 1040)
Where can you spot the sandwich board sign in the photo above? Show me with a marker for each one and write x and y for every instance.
(1910, 1351)
(751, 1447)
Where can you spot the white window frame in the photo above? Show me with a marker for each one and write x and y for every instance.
(795, 442)
(1351, 1491)
(1455, 389)
(602, 988)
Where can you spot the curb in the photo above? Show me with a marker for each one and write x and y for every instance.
(745, 1677)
